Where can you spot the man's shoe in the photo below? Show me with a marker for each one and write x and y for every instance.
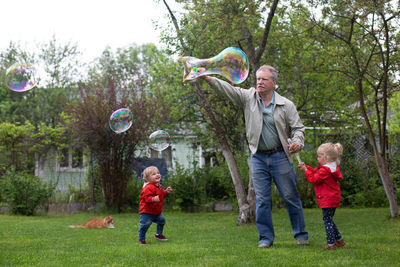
(160, 237)
(302, 242)
(142, 242)
(264, 245)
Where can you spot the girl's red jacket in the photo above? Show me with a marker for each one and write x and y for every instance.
(147, 193)
(326, 185)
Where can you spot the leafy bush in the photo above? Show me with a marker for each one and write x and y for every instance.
(375, 197)
(188, 188)
(197, 189)
(23, 192)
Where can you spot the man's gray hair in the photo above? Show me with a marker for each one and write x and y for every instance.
(274, 72)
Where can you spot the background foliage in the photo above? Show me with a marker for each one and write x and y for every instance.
(24, 192)
(315, 73)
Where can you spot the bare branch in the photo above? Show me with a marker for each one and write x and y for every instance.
(178, 32)
(268, 24)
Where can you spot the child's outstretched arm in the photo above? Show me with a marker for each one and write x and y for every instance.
(168, 190)
(302, 166)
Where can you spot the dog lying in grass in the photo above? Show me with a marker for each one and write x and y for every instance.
(107, 222)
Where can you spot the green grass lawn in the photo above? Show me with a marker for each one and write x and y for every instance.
(197, 239)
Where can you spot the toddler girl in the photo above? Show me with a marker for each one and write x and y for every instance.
(327, 189)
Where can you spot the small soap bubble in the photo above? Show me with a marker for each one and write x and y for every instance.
(159, 140)
(121, 120)
(21, 77)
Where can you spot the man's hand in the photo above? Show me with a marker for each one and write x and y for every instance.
(294, 148)
(205, 77)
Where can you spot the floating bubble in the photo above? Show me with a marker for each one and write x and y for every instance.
(232, 63)
(21, 77)
(159, 140)
(121, 120)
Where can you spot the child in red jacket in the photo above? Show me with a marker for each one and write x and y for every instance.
(151, 204)
(325, 179)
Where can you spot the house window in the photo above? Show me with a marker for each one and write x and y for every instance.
(77, 158)
(165, 154)
(70, 158)
(64, 158)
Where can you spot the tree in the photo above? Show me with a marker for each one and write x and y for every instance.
(33, 116)
(367, 37)
(116, 81)
(21, 145)
(14, 144)
(57, 70)
(213, 20)
(394, 123)
(305, 75)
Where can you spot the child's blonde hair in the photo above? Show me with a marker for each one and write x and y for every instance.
(331, 152)
(146, 172)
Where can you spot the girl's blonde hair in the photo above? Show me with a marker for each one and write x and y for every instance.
(146, 172)
(331, 152)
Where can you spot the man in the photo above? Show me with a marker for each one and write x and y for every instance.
(270, 121)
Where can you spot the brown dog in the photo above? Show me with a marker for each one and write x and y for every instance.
(107, 222)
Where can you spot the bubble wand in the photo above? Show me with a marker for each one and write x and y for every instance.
(296, 154)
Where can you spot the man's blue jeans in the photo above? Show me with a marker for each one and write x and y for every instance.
(145, 221)
(276, 167)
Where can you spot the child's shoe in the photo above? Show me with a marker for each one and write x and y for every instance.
(160, 237)
(330, 247)
(340, 243)
(142, 242)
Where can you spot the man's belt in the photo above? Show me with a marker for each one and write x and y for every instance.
(271, 151)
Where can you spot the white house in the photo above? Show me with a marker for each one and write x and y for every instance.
(68, 168)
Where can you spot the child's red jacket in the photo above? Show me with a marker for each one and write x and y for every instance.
(326, 185)
(147, 193)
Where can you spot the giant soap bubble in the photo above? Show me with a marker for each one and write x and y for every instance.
(159, 140)
(232, 63)
(21, 77)
(121, 120)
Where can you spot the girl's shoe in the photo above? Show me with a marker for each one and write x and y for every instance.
(142, 242)
(330, 247)
(340, 243)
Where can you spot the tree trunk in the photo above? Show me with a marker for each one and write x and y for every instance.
(244, 207)
(380, 160)
(388, 185)
(390, 190)
(247, 211)
(251, 197)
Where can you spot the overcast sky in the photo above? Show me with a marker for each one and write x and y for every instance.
(91, 24)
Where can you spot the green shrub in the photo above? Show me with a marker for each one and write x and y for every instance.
(375, 197)
(23, 192)
(198, 188)
(188, 189)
